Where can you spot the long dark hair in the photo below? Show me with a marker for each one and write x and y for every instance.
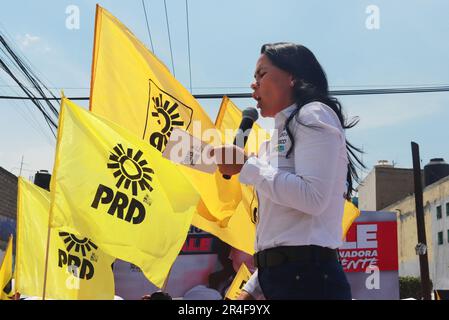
(311, 85)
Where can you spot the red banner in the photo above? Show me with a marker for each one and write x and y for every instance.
(370, 244)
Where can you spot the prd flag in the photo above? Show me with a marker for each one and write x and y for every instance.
(6, 272)
(114, 188)
(77, 268)
(239, 230)
(237, 284)
(134, 89)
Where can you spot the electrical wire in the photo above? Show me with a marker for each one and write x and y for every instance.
(248, 95)
(188, 45)
(148, 26)
(169, 38)
(29, 117)
(17, 68)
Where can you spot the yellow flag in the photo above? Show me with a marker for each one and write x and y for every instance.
(6, 272)
(239, 231)
(117, 190)
(349, 215)
(77, 268)
(237, 284)
(131, 87)
(228, 120)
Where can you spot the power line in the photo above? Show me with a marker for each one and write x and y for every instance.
(169, 38)
(148, 26)
(53, 88)
(248, 95)
(188, 45)
(30, 76)
(38, 99)
(29, 117)
(5, 33)
(360, 92)
(385, 87)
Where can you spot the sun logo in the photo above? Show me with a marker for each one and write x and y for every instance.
(167, 116)
(130, 170)
(70, 241)
(166, 113)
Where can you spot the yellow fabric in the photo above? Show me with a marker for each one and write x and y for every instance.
(116, 189)
(239, 230)
(228, 120)
(131, 87)
(6, 271)
(89, 278)
(237, 284)
(349, 215)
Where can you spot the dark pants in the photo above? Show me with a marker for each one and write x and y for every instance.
(305, 280)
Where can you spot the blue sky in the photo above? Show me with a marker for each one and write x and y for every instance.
(409, 49)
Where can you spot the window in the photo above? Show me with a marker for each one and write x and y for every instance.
(440, 237)
(447, 209)
(439, 212)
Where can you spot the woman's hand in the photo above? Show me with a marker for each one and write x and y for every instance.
(245, 296)
(230, 159)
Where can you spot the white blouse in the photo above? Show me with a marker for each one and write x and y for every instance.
(301, 198)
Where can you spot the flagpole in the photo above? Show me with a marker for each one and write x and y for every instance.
(164, 286)
(18, 221)
(94, 51)
(46, 259)
(52, 194)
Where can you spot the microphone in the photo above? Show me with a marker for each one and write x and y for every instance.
(249, 116)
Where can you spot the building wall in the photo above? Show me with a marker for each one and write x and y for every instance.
(438, 255)
(408, 238)
(367, 193)
(8, 193)
(392, 184)
(8, 205)
(441, 251)
(383, 186)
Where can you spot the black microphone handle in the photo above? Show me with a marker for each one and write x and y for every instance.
(245, 127)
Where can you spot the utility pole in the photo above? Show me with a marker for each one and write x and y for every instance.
(21, 165)
(421, 247)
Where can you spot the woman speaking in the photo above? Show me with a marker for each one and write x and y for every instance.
(302, 176)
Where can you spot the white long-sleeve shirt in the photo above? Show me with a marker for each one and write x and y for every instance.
(301, 198)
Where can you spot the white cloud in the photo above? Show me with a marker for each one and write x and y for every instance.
(28, 41)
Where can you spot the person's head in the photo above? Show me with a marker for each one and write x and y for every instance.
(158, 295)
(287, 73)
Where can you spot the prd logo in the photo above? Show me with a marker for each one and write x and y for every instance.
(74, 256)
(167, 113)
(130, 170)
(84, 245)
